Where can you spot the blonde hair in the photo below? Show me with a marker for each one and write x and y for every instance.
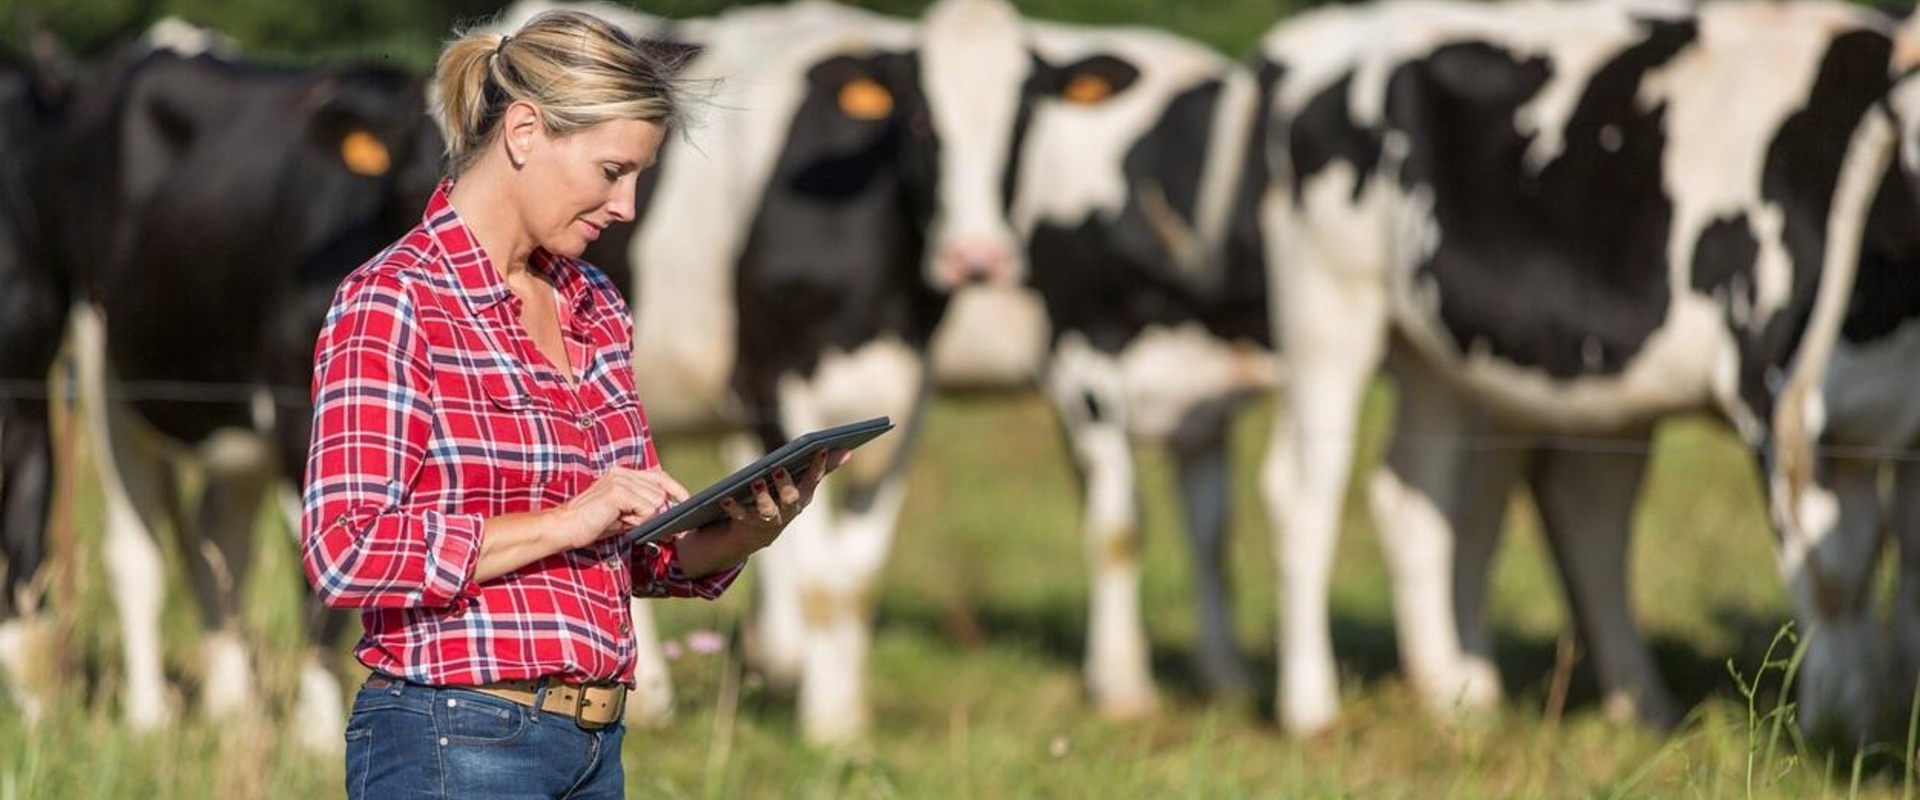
(578, 69)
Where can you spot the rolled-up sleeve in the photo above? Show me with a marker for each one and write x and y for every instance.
(657, 573)
(362, 546)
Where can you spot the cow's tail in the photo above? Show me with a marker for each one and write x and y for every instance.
(1798, 415)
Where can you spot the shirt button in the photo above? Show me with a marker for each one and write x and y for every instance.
(625, 629)
(585, 420)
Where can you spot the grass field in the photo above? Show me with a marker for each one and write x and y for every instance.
(976, 663)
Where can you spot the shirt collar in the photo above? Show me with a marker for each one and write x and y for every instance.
(473, 272)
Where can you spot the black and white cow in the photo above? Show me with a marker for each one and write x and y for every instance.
(792, 255)
(33, 309)
(1158, 327)
(206, 209)
(1568, 219)
(795, 254)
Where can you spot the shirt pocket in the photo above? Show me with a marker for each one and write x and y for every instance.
(517, 441)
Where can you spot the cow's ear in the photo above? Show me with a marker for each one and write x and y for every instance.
(856, 86)
(346, 137)
(1093, 80)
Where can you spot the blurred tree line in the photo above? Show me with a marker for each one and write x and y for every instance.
(408, 33)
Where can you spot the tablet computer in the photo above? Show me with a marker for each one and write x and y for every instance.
(795, 457)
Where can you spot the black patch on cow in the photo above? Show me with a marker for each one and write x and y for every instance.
(1096, 411)
(1324, 133)
(34, 298)
(1726, 250)
(1109, 278)
(1886, 292)
(1802, 170)
(832, 259)
(1564, 270)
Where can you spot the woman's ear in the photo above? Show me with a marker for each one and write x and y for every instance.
(520, 127)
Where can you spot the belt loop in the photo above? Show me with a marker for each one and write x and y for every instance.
(539, 698)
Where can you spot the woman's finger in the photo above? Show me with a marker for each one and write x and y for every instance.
(764, 504)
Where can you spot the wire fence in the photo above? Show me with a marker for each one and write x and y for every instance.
(284, 398)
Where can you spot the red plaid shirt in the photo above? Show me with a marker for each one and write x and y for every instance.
(434, 411)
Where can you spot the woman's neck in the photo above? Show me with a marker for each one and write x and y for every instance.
(482, 197)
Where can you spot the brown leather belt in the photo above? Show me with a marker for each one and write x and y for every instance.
(592, 706)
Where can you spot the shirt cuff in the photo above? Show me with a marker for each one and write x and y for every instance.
(658, 573)
(453, 550)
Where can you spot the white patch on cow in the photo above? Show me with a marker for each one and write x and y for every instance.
(318, 720)
(231, 450)
(684, 255)
(23, 653)
(228, 683)
(991, 337)
(1323, 46)
(175, 35)
(139, 580)
(881, 377)
(629, 20)
(834, 555)
(974, 63)
(650, 704)
(1904, 98)
(1710, 175)
(1117, 669)
(1167, 373)
(1074, 154)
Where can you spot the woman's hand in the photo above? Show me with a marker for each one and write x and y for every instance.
(619, 500)
(750, 527)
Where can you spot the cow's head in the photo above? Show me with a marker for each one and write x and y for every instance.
(1135, 146)
(371, 161)
(976, 69)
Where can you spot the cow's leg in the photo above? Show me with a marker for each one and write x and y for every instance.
(838, 548)
(219, 552)
(1480, 515)
(1088, 392)
(1827, 559)
(1206, 486)
(777, 640)
(321, 716)
(1334, 329)
(1413, 501)
(132, 482)
(1586, 502)
(650, 704)
(26, 486)
(1904, 680)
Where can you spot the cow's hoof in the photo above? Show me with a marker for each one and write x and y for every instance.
(1132, 704)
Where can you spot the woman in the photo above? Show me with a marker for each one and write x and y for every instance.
(477, 446)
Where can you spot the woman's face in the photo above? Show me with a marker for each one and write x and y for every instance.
(575, 186)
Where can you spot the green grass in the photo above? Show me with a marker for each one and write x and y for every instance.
(975, 670)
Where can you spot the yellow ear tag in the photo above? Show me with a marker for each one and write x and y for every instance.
(364, 154)
(865, 99)
(1087, 89)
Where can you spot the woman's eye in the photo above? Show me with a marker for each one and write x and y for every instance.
(611, 173)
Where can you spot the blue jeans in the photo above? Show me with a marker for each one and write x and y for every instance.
(406, 740)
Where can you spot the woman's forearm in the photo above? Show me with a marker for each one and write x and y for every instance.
(511, 541)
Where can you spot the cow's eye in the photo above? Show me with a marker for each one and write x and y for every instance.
(865, 99)
(1087, 89)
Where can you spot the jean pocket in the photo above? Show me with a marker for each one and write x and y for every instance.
(471, 718)
(359, 751)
